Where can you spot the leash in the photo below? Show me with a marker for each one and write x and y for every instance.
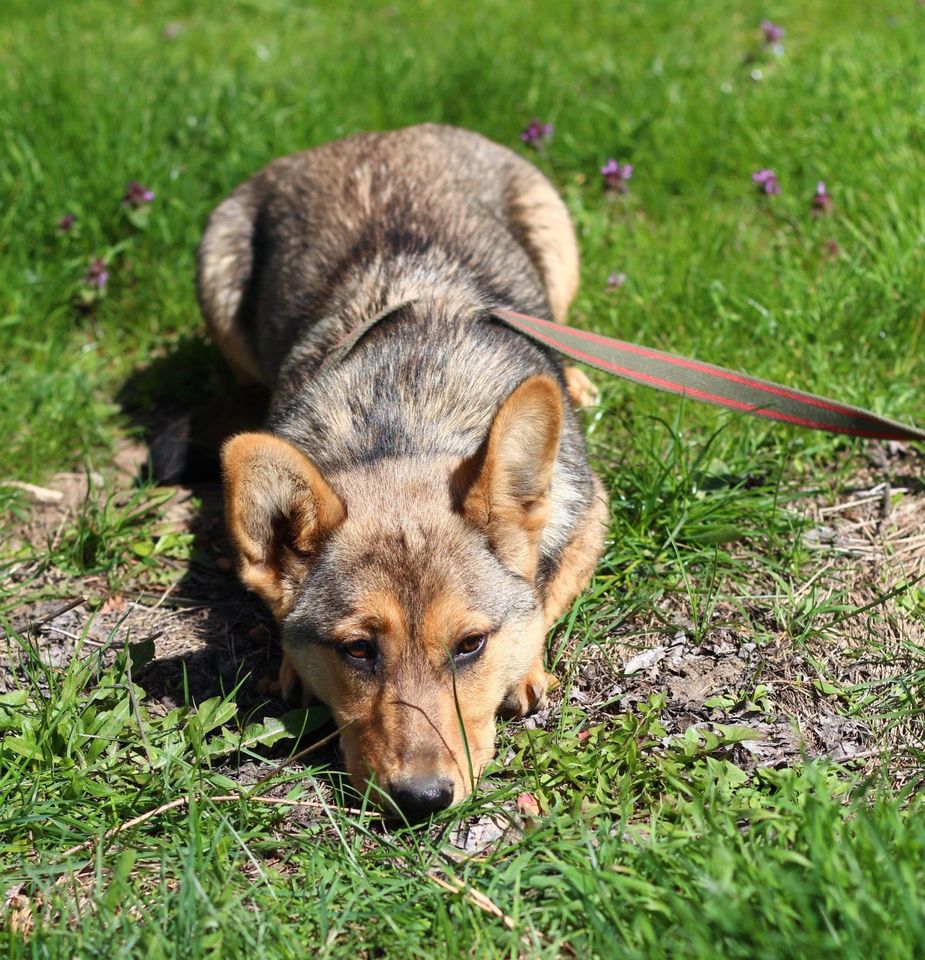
(679, 375)
(709, 383)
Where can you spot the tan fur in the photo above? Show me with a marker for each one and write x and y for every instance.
(412, 724)
(278, 508)
(542, 222)
(224, 258)
(529, 694)
(509, 497)
(577, 565)
(581, 391)
(579, 558)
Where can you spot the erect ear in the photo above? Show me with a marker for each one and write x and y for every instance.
(278, 509)
(504, 488)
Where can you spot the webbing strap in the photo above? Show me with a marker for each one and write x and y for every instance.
(706, 382)
(689, 378)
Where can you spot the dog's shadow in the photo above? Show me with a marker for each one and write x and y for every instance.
(213, 638)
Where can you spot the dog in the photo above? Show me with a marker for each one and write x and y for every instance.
(419, 509)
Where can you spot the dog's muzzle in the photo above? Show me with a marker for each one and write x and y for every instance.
(419, 797)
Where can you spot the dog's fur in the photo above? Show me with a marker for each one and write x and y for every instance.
(432, 486)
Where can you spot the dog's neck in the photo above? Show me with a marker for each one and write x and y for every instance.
(425, 382)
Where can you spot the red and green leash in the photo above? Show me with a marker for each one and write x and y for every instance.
(706, 382)
(689, 378)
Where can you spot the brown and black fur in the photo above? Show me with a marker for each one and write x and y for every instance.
(433, 484)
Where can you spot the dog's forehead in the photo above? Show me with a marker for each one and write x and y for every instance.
(429, 570)
(421, 560)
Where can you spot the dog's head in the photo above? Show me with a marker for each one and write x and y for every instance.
(406, 591)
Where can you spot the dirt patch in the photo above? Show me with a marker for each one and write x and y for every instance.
(811, 687)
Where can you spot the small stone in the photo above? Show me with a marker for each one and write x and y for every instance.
(643, 661)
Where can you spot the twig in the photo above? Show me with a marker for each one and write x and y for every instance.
(798, 595)
(474, 896)
(76, 602)
(480, 900)
(64, 633)
(179, 601)
(56, 539)
(127, 825)
(224, 798)
(39, 494)
(302, 753)
(284, 802)
(115, 641)
(167, 593)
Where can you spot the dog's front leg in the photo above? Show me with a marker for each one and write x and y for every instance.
(527, 696)
(288, 685)
(580, 389)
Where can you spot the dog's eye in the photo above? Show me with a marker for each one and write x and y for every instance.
(470, 646)
(362, 650)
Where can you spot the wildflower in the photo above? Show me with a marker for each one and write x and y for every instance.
(528, 805)
(66, 222)
(616, 175)
(136, 194)
(616, 280)
(97, 275)
(773, 34)
(537, 134)
(822, 200)
(766, 180)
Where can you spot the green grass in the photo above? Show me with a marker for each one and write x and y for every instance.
(658, 845)
(649, 843)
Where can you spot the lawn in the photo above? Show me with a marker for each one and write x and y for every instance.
(732, 761)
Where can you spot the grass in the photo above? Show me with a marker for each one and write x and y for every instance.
(652, 837)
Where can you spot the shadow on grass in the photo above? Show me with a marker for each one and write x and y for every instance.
(217, 638)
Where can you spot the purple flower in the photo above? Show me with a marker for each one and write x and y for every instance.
(822, 201)
(66, 222)
(537, 134)
(616, 175)
(773, 34)
(766, 181)
(97, 275)
(616, 280)
(136, 194)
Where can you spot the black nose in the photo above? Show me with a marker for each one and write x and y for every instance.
(418, 797)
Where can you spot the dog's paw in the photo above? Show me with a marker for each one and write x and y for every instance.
(581, 391)
(528, 696)
(288, 685)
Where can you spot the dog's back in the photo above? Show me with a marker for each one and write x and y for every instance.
(432, 216)
(318, 241)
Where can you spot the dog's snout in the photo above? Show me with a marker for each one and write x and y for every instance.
(418, 797)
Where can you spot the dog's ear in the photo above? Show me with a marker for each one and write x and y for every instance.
(504, 487)
(279, 510)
